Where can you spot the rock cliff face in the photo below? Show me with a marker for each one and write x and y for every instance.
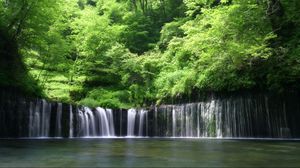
(259, 115)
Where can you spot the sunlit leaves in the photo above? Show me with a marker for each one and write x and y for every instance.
(218, 47)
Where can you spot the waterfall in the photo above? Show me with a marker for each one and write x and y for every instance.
(111, 123)
(173, 123)
(34, 123)
(39, 119)
(192, 120)
(218, 117)
(58, 120)
(142, 120)
(81, 124)
(224, 118)
(71, 131)
(212, 118)
(86, 124)
(103, 121)
(98, 122)
(31, 120)
(131, 122)
(106, 124)
(246, 115)
(137, 120)
(90, 122)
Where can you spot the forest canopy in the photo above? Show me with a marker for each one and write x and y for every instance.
(123, 53)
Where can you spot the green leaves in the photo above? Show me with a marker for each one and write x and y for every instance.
(120, 53)
(216, 51)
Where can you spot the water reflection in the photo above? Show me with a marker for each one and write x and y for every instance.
(148, 153)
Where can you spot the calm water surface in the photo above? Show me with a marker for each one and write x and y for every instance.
(148, 153)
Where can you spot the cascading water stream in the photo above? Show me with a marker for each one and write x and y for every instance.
(71, 131)
(142, 121)
(39, 119)
(248, 116)
(106, 125)
(81, 124)
(103, 126)
(98, 122)
(131, 122)
(90, 122)
(174, 123)
(111, 124)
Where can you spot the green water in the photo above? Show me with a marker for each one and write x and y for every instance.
(148, 153)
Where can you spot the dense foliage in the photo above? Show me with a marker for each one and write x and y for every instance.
(122, 53)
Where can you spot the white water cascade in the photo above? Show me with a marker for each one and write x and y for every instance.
(137, 120)
(111, 124)
(213, 118)
(219, 118)
(71, 130)
(39, 119)
(81, 123)
(142, 121)
(188, 120)
(131, 122)
(105, 122)
(90, 122)
(240, 116)
(98, 122)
